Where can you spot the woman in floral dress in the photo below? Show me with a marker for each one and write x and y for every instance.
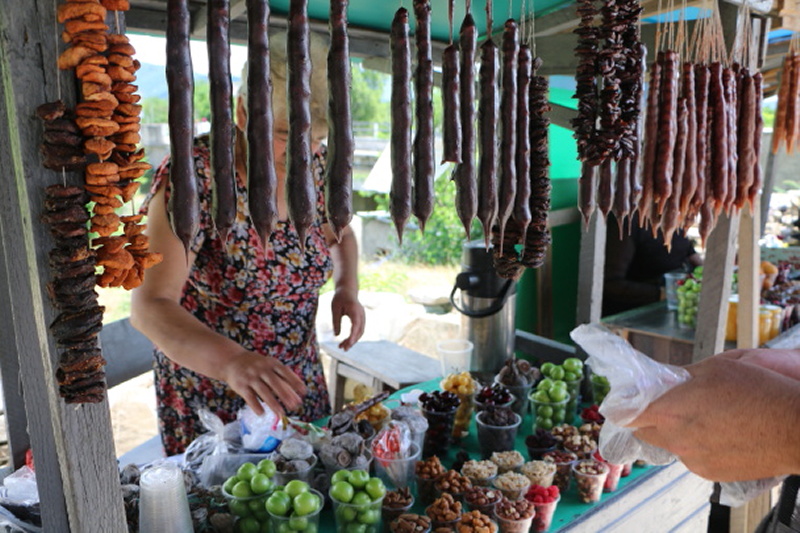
(234, 323)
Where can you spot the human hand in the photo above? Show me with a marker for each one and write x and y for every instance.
(785, 362)
(345, 303)
(254, 376)
(732, 421)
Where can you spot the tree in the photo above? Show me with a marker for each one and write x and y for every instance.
(202, 105)
(366, 88)
(155, 110)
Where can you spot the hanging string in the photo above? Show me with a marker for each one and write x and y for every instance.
(522, 23)
(450, 9)
(117, 23)
(469, 6)
(532, 28)
(659, 30)
(489, 21)
(511, 9)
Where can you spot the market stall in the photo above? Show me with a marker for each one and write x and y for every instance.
(76, 468)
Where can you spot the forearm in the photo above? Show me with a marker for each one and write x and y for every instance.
(345, 262)
(182, 337)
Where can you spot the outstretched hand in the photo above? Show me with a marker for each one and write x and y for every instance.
(733, 421)
(254, 376)
(345, 303)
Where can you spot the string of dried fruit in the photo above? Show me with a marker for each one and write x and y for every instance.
(505, 258)
(609, 60)
(464, 173)
(301, 192)
(645, 206)
(184, 203)
(667, 129)
(719, 138)
(689, 176)
(222, 127)
(785, 99)
(793, 105)
(341, 146)
(584, 124)
(62, 139)
(702, 79)
(401, 189)
(745, 166)
(755, 188)
(423, 153)
(262, 181)
(488, 109)
(508, 125)
(522, 199)
(670, 219)
(729, 83)
(451, 103)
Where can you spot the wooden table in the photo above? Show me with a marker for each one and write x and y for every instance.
(383, 365)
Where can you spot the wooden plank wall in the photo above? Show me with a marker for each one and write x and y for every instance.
(76, 465)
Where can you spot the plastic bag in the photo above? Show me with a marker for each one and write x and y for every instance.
(637, 380)
(262, 433)
(19, 501)
(220, 438)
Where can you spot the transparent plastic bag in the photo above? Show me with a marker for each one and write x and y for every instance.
(636, 381)
(220, 438)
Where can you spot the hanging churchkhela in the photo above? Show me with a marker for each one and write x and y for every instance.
(507, 182)
(341, 146)
(401, 190)
(451, 101)
(423, 152)
(488, 110)
(787, 114)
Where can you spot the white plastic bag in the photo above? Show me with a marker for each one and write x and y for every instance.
(220, 438)
(636, 381)
(262, 433)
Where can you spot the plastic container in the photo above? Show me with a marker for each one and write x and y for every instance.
(331, 469)
(544, 477)
(777, 319)
(349, 516)
(301, 524)
(496, 438)
(219, 467)
(600, 388)
(574, 390)
(163, 504)
(455, 356)
(488, 508)
(481, 406)
(389, 514)
(590, 486)
(436, 524)
(764, 326)
(563, 472)
(439, 434)
(514, 526)
(544, 515)
(426, 490)
(535, 454)
(514, 493)
(307, 474)
(557, 412)
(252, 508)
(612, 480)
(626, 469)
(521, 397)
(397, 473)
(394, 526)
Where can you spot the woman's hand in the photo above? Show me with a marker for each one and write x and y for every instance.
(785, 362)
(345, 303)
(255, 377)
(732, 421)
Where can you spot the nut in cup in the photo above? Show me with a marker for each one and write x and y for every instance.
(390, 514)
(455, 355)
(351, 516)
(449, 525)
(563, 462)
(590, 476)
(512, 485)
(549, 414)
(540, 473)
(302, 524)
(397, 473)
(496, 438)
(544, 515)
(514, 526)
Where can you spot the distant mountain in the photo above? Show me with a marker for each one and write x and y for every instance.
(152, 80)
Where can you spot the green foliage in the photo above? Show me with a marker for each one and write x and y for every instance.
(155, 110)
(366, 88)
(202, 101)
(768, 113)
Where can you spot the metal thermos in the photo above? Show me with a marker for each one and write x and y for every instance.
(488, 305)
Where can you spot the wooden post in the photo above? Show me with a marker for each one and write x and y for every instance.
(591, 267)
(747, 319)
(76, 466)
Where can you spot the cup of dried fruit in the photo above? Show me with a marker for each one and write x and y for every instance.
(410, 523)
(563, 461)
(497, 430)
(476, 522)
(590, 476)
(444, 512)
(545, 500)
(427, 472)
(395, 503)
(454, 484)
(479, 472)
(439, 409)
(463, 386)
(482, 499)
(514, 516)
(494, 395)
(540, 442)
(513, 485)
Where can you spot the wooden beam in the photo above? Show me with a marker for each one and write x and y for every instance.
(749, 258)
(76, 470)
(591, 267)
(561, 115)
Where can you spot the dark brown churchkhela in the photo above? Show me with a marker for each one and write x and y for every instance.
(424, 162)
(222, 128)
(689, 178)
(667, 129)
(184, 202)
(755, 188)
(400, 193)
(261, 177)
(300, 189)
(508, 126)
(701, 84)
(522, 207)
(464, 174)
(745, 165)
(729, 83)
(670, 219)
(451, 105)
(537, 238)
(650, 145)
(717, 116)
(584, 123)
(487, 131)
(341, 146)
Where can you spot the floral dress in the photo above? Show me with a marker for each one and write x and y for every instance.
(264, 299)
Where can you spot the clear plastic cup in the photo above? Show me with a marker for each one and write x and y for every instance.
(557, 412)
(455, 356)
(521, 400)
(514, 526)
(612, 481)
(463, 415)
(390, 514)
(626, 469)
(349, 516)
(563, 471)
(436, 524)
(671, 280)
(301, 524)
(574, 390)
(306, 474)
(513, 493)
(420, 525)
(590, 486)
(397, 473)
(479, 406)
(542, 476)
(331, 469)
(163, 504)
(544, 515)
(496, 438)
(486, 508)
(426, 490)
(439, 434)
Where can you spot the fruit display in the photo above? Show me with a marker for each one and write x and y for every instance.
(518, 376)
(570, 372)
(439, 408)
(294, 508)
(689, 298)
(463, 386)
(545, 500)
(357, 501)
(495, 394)
(549, 403)
(247, 492)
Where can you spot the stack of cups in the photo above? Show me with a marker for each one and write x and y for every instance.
(163, 505)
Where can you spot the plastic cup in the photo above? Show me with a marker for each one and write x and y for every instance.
(439, 434)
(394, 526)
(390, 514)
(479, 406)
(306, 474)
(289, 524)
(544, 515)
(520, 392)
(514, 526)
(590, 486)
(516, 493)
(496, 438)
(612, 480)
(426, 490)
(488, 507)
(397, 473)
(463, 413)
(535, 454)
(331, 469)
(671, 280)
(600, 388)
(350, 517)
(163, 504)
(764, 325)
(777, 319)
(563, 473)
(455, 355)
(543, 478)
(626, 469)
(557, 412)
(436, 524)
(574, 390)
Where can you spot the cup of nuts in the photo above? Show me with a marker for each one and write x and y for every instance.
(513, 485)
(482, 499)
(507, 461)
(590, 476)
(453, 483)
(428, 471)
(539, 472)
(514, 516)
(497, 430)
(410, 523)
(445, 512)
(563, 461)
(480, 472)
(396, 503)
(476, 522)
(614, 473)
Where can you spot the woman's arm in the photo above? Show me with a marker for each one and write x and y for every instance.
(156, 312)
(345, 279)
